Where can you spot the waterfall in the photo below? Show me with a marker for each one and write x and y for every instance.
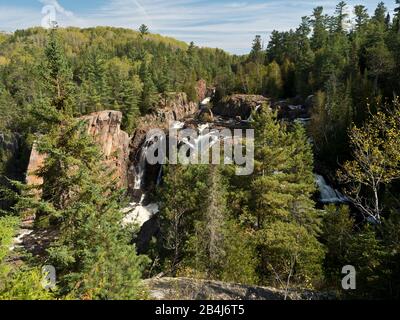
(140, 169)
(204, 139)
(137, 213)
(328, 194)
(251, 115)
(205, 102)
(177, 125)
(140, 212)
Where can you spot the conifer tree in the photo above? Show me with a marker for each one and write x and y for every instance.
(182, 197)
(362, 16)
(320, 34)
(149, 89)
(281, 189)
(380, 13)
(57, 74)
(341, 16)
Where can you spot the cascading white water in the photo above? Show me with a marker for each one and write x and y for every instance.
(177, 125)
(137, 213)
(205, 139)
(205, 102)
(250, 118)
(328, 194)
(140, 169)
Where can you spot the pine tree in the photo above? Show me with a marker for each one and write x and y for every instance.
(206, 245)
(95, 83)
(256, 50)
(182, 196)
(144, 30)
(57, 74)
(130, 102)
(341, 16)
(283, 184)
(380, 13)
(320, 35)
(362, 16)
(281, 191)
(149, 89)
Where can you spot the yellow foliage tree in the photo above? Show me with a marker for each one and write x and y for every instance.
(376, 161)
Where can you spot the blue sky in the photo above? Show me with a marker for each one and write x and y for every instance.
(226, 24)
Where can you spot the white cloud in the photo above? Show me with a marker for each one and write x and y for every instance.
(228, 25)
(12, 18)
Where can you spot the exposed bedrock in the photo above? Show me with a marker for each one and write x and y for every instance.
(105, 127)
(239, 105)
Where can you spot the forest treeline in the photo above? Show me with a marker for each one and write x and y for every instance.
(264, 229)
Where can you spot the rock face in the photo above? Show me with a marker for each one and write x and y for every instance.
(174, 107)
(239, 105)
(201, 89)
(206, 115)
(36, 161)
(193, 289)
(105, 127)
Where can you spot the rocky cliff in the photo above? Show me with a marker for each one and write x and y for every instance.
(121, 150)
(238, 105)
(105, 127)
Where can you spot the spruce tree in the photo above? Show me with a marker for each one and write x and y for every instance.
(362, 16)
